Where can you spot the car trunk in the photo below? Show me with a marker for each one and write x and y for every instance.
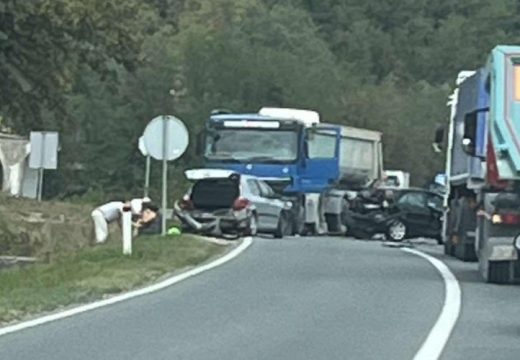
(214, 194)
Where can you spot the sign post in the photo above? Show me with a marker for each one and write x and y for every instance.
(165, 138)
(142, 149)
(44, 154)
(147, 176)
(165, 142)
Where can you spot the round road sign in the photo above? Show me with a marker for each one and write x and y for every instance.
(169, 131)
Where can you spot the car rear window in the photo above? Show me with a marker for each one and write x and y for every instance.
(211, 194)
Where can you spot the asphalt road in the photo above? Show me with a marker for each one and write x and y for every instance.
(296, 298)
(489, 323)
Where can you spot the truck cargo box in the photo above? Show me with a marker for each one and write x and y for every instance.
(360, 156)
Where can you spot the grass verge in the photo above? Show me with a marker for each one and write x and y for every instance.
(95, 272)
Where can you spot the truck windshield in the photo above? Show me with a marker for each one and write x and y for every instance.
(252, 145)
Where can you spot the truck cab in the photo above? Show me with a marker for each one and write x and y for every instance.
(292, 155)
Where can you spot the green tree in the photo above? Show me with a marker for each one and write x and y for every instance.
(43, 43)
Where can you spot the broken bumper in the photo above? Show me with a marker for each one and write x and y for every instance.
(218, 223)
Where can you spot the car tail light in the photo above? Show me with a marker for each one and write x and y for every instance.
(186, 203)
(240, 203)
(507, 219)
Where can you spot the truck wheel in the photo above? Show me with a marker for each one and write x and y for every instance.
(333, 222)
(448, 248)
(466, 218)
(284, 226)
(498, 272)
(298, 224)
(464, 251)
(336, 223)
(309, 229)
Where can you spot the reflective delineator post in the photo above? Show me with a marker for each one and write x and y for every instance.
(127, 230)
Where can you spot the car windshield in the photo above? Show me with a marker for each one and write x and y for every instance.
(412, 199)
(258, 145)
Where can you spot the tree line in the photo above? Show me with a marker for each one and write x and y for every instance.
(97, 71)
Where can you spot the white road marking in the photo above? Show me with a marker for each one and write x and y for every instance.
(439, 335)
(129, 295)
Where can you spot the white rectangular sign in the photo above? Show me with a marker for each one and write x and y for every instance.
(44, 150)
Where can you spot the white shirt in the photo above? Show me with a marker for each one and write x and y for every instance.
(112, 210)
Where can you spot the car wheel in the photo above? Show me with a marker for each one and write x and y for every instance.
(396, 231)
(449, 249)
(284, 226)
(309, 229)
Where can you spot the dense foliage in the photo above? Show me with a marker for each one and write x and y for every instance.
(99, 70)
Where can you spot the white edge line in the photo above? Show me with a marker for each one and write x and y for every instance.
(129, 295)
(432, 347)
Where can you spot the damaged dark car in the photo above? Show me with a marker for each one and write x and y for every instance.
(397, 213)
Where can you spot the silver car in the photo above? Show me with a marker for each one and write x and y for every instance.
(223, 202)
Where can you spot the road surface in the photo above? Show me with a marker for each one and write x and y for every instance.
(296, 298)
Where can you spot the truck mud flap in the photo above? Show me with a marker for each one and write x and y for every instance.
(500, 272)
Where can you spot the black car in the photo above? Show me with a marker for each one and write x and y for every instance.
(396, 212)
(418, 213)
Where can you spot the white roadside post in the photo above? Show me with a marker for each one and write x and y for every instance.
(127, 230)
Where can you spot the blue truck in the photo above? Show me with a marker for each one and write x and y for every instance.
(312, 164)
(482, 201)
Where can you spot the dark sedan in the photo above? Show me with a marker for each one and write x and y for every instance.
(418, 213)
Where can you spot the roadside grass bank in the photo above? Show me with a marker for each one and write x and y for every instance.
(44, 230)
(96, 272)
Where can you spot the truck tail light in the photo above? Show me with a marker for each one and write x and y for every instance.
(241, 203)
(186, 203)
(506, 219)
